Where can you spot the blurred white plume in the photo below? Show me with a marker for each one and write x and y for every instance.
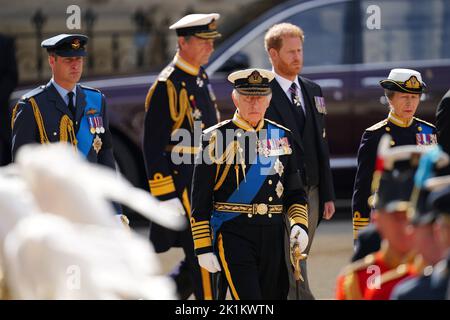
(59, 236)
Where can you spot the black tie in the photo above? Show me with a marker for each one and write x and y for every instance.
(297, 105)
(71, 105)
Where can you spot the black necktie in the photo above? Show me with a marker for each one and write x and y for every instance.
(297, 105)
(70, 105)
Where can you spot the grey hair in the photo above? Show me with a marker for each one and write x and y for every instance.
(236, 94)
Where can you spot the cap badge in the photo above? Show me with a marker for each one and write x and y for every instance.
(412, 83)
(75, 44)
(212, 25)
(255, 78)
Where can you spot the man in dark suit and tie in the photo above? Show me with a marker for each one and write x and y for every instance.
(298, 104)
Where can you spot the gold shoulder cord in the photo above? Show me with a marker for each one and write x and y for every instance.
(232, 151)
(184, 109)
(13, 115)
(66, 129)
(67, 132)
(149, 96)
(40, 123)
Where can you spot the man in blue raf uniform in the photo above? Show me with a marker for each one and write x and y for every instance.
(403, 89)
(245, 178)
(178, 106)
(63, 110)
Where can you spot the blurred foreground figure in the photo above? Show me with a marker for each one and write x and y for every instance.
(59, 238)
(374, 276)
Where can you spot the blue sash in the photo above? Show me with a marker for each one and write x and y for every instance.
(426, 129)
(249, 187)
(84, 136)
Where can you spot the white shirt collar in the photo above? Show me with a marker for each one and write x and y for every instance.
(63, 92)
(285, 84)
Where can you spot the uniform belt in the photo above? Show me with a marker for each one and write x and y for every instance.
(250, 209)
(182, 149)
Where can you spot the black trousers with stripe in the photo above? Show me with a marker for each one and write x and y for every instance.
(252, 261)
(188, 276)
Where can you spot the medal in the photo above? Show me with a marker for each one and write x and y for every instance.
(91, 125)
(97, 144)
(199, 82)
(102, 128)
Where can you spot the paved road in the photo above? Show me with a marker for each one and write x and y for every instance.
(331, 251)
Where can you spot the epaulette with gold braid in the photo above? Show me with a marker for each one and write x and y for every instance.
(214, 127)
(277, 124)
(378, 125)
(165, 74)
(423, 121)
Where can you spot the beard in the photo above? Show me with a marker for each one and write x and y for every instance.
(289, 70)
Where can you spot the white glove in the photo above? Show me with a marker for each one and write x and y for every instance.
(175, 205)
(209, 262)
(299, 235)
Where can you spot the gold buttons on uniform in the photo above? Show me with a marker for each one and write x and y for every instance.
(183, 83)
(388, 129)
(270, 199)
(191, 97)
(392, 143)
(249, 215)
(270, 182)
(419, 129)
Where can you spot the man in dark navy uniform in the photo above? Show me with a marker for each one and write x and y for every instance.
(63, 110)
(245, 179)
(403, 89)
(179, 105)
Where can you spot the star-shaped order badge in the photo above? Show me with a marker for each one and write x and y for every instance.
(279, 168)
(297, 101)
(196, 114)
(97, 144)
(279, 189)
(199, 82)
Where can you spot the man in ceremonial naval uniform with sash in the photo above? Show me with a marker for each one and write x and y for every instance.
(178, 106)
(245, 178)
(63, 110)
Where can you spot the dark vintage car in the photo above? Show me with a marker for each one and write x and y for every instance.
(349, 46)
